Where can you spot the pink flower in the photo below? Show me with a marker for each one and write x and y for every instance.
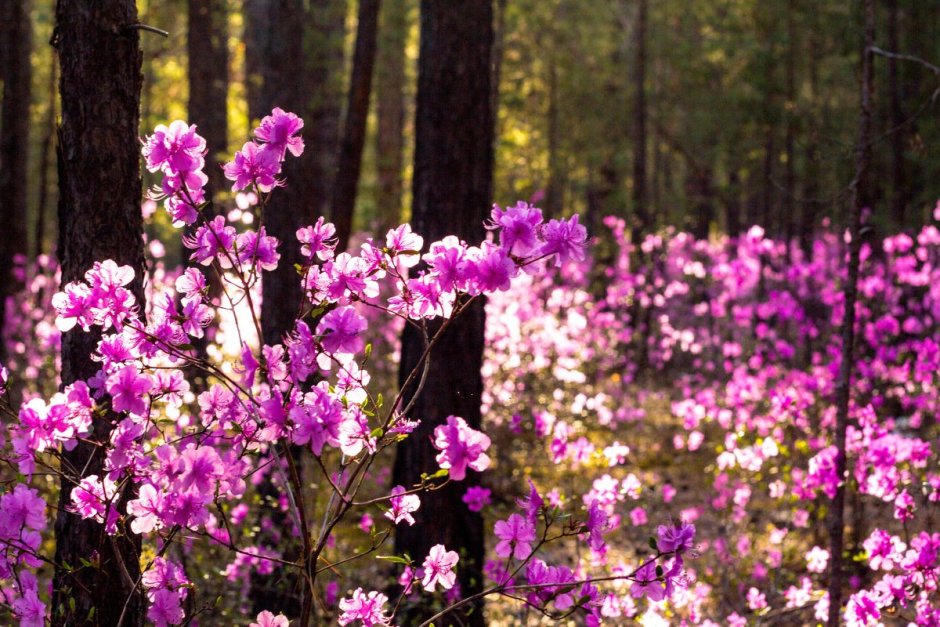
(340, 330)
(439, 568)
(517, 227)
(174, 149)
(476, 498)
(318, 240)
(516, 535)
(402, 506)
(648, 584)
(405, 244)
(564, 238)
(817, 559)
(165, 609)
(267, 619)
(675, 538)
(254, 164)
(128, 389)
(365, 608)
(278, 131)
(460, 448)
(23, 507)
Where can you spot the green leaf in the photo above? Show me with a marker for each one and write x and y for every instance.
(653, 544)
(394, 559)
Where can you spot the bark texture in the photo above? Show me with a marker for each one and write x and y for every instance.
(390, 111)
(354, 129)
(207, 51)
(15, 74)
(860, 199)
(99, 218)
(452, 191)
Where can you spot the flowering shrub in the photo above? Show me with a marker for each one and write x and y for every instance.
(713, 365)
(191, 460)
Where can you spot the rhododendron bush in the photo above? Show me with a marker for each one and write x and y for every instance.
(301, 416)
(657, 440)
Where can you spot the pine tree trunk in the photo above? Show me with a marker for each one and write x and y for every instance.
(99, 218)
(324, 47)
(860, 199)
(284, 86)
(390, 108)
(354, 129)
(640, 210)
(207, 48)
(452, 191)
(15, 73)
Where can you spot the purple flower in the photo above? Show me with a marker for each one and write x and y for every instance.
(128, 388)
(254, 164)
(266, 618)
(367, 608)
(516, 535)
(460, 448)
(648, 584)
(675, 538)
(439, 568)
(517, 227)
(476, 498)
(340, 330)
(278, 131)
(165, 608)
(402, 506)
(564, 238)
(174, 149)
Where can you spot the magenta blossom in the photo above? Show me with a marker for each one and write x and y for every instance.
(278, 130)
(460, 448)
(439, 568)
(367, 608)
(253, 164)
(403, 505)
(677, 537)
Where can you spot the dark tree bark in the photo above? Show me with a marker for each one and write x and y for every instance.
(207, 53)
(324, 41)
(553, 189)
(811, 169)
(452, 191)
(207, 48)
(15, 73)
(99, 218)
(390, 109)
(354, 131)
(284, 86)
(860, 199)
(789, 141)
(45, 158)
(640, 210)
(256, 36)
(899, 194)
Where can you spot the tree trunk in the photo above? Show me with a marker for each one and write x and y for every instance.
(45, 157)
(640, 210)
(285, 211)
(15, 72)
(207, 48)
(99, 218)
(324, 48)
(860, 199)
(790, 115)
(452, 192)
(899, 192)
(354, 131)
(282, 85)
(256, 36)
(390, 108)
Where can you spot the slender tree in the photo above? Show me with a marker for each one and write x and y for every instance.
(354, 129)
(451, 194)
(860, 198)
(390, 112)
(324, 47)
(15, 73)
(207, 52)
(640, 210)
(99, 218)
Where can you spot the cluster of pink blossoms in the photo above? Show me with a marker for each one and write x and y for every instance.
(190, 461)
